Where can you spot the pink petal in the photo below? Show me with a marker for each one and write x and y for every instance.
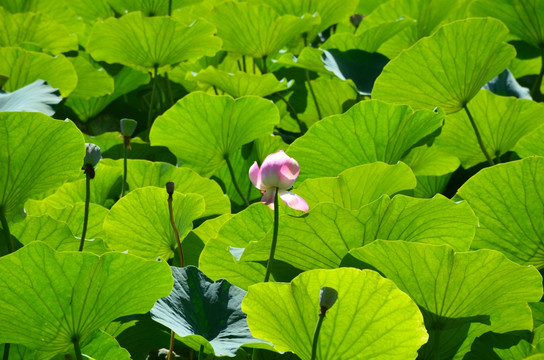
(293, 201)
(279, 170)
(255, 176)
(268, 197)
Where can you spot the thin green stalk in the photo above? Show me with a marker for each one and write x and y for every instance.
(293, 112)
(201, 352)
(244, 63)
(536, 94)
(87, 201)
(479, 137)
(125, 168)
(151, 104)
(239, 66)
(235, 183)
(169, 7)
(7, 234)
(176, 232)
(316, 334)
(313, 94)
(6, 352)
(274, 236)
(77, 349)
(171, 347)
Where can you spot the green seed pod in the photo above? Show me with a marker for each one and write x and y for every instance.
(128, 126)
(327, 298)
(93, 154)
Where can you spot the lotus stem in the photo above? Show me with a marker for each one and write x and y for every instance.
(170, 191)
(6, 352)
(77, 349)
(125, 165)
(293, 112)
(7, 234)
(89, 174)
(274, 236)
(244, 63)
(536, 94)
(479, 137)
(171, 347)
(316, 334)
(235, 183)
(201, 352)
(313, 94)
(151, 103)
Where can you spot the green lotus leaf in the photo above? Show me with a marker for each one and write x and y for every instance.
(55, 233)
(309, 58)
(70, 295)
(150, 7)
(214, 127)
(140, 222)
(91, 11)
(73, 216)
(531, 144)
(425, 16)
(251, 224)
(524, 18)
(505, 84)
(36, 29)
(448, 68)
(345, 94)
(36, 97)
(372, 318)
(161, 42)
(240, 83)
(370, 39)
(208, 312)
(37, 154)
(100, 345)
(368, 132)
(452, 289)
(194, 242)
(508, 200)
(330, 12)
(91, 81)
(429, 186)
(257, 30)
(502, 121)
(142, 173)
(431, 161)
(359, 185)
(24, 67)
(125, 81)
(102, 189)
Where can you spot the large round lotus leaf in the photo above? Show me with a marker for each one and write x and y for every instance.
(24, 67)
(140, 222)
(73, 216)
(531, 144)
(72, 294)
(145, 43)
(102, 189)
(524, 18)
(125, 81)
(35, 29)
(141, 173)
(453, 289)
(240, 83)
(509, 202)
(424, 17)
(205, 311)
(257, 30)
(37, 154)
(368, 132)
(100, 345)
(35, 97)
(502, 121)
(448, 68)
(358, 185)
(213, 128)
(430, 161)
(331, 12)
(150, 7)
(309, 58)
(91, 81)
(372, 318)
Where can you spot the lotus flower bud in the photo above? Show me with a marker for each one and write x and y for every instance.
(93, 154)
(128, 126)
(327, 298)
(170, 188)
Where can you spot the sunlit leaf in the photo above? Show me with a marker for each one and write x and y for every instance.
(91, 81)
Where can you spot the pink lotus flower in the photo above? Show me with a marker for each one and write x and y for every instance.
(278, 171)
